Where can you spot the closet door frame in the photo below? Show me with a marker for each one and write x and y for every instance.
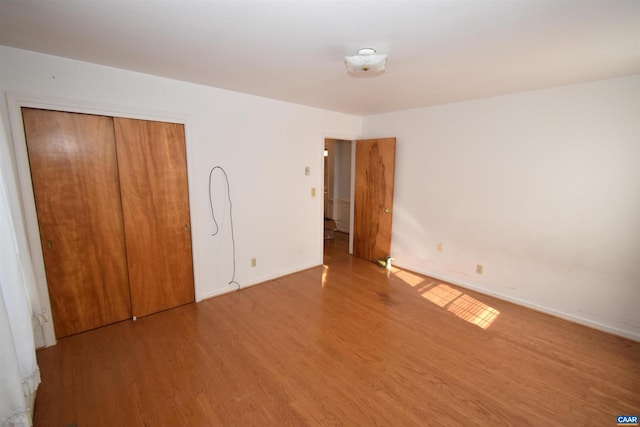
(45, 334)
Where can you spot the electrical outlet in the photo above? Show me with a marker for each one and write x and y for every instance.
(253, 262)
(307, 170)
(439, 247)
(313, 192)
(479, 268)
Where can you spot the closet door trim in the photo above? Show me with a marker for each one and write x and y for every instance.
(44, 334)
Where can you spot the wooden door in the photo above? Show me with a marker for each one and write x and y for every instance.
(75, 183)
(373, 198)
(155, 206)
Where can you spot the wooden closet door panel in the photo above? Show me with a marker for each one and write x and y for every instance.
(155, 204)
(75, 183)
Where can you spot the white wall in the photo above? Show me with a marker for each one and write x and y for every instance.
(338, 169)
(542, 188)
(342, 188)
(264, 145)
(342, 185)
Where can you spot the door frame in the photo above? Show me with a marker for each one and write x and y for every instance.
(351, 185)
(341, 137)
(354, 140)
(44, 333)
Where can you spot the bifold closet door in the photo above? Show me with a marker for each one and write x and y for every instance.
(155, 206)
(75, 182)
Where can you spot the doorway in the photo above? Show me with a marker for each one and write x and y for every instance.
(337, 198)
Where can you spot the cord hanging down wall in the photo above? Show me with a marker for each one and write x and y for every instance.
(220, 171)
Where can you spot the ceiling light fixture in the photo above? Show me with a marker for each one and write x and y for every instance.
(366, 61)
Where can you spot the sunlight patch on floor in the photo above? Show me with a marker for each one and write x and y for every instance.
(455, 301)
(473, 311)
(409, 278)
(325, 273)
(441, 295)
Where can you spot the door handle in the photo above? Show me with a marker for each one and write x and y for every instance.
(49, 244)
(186, 227)
(388, 210)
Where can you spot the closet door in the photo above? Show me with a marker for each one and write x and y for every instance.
(75, 182)
(155, 205)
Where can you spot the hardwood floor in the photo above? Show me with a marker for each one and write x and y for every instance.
(336, 248)
(348, 343)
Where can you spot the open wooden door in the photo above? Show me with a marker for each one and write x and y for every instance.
(373, 198)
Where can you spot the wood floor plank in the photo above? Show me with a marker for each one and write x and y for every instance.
(347, 344)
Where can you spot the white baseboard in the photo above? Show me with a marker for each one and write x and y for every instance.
(343, 214)
(344, 228)
(32, 405)
(232, 288)
(566, 316)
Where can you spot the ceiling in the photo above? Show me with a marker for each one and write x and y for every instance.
(438, 51)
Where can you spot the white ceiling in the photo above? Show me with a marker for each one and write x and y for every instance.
(439, 51)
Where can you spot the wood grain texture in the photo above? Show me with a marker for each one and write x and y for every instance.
(347, 344)
(155, 206)
(75, 181)
(373, 196)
